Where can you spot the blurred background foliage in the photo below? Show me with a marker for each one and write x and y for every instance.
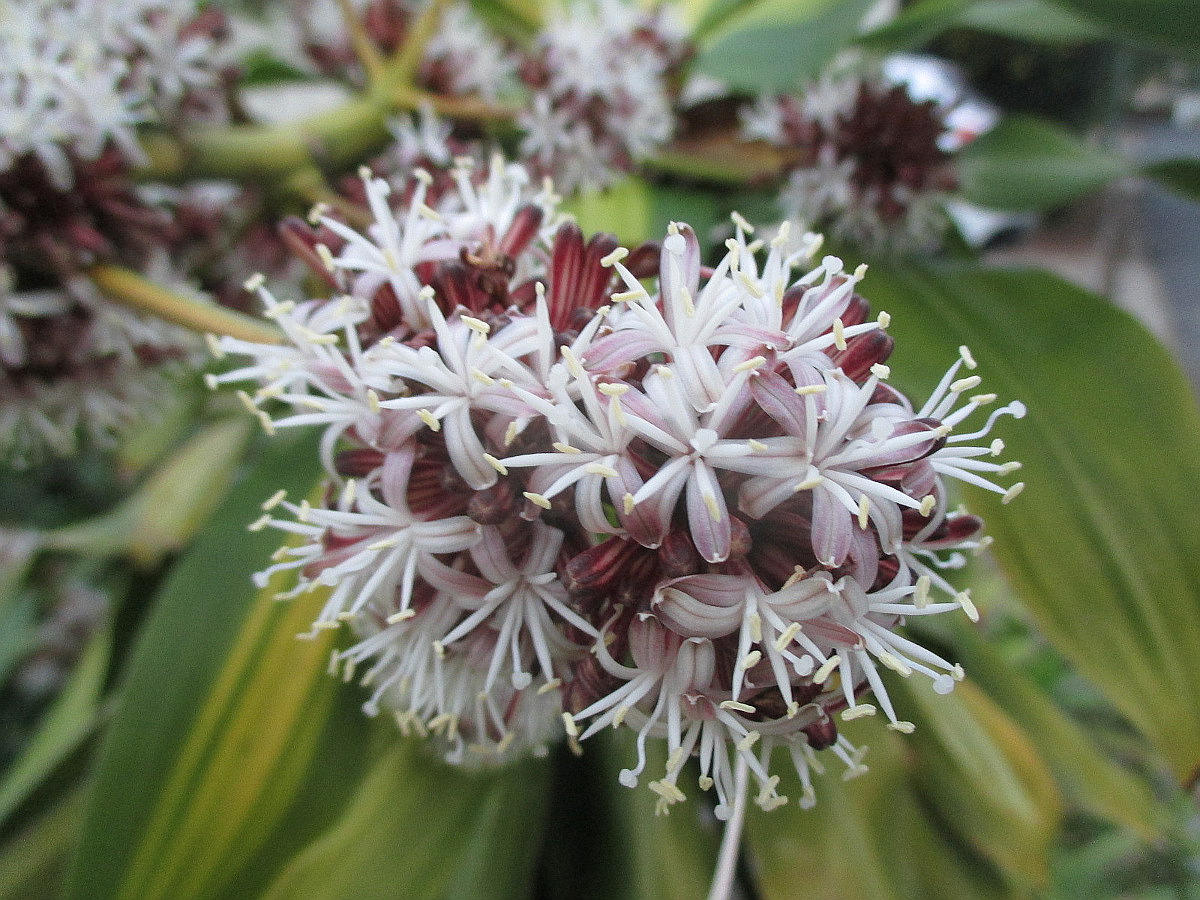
(164, 734)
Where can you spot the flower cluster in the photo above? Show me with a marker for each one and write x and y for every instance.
(73, 366)
(572, 486)
(76, 77)
(867, 162)
(602, 95)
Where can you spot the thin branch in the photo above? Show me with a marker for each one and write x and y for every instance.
(131, 289)
(364, 48)
(403, 66)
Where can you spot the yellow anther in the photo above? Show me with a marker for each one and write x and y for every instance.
(737, 706)
(822, 674)
(921, 592)
(748, 741)
(751, 364)
(895, 663)
(968, 605)
(839, 334)
(615, 257)
(537, 499)
(788, 635)
(858, 712)
(274, 500)
(477, 325)
(966, 384)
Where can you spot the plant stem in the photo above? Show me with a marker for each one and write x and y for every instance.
(402, 68)
(731, 841)
(132, 290)
(364, 48)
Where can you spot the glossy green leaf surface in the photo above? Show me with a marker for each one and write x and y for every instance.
(1180, 175)
(1166, 23)
(1037, 21)
(1090, 779)
(67, 723)
(33, 862)
(216, 715)
(871, 838)
(779, 45)
(237, 764)
(982, 777)
(173, 503)
(1026, 163)
(1103, 545)
(416, 827)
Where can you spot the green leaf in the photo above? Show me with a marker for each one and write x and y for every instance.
(1168, 23)
(1091, 780)
(642, 839)
(33, 861)
(174, 502)
(1026, 163)
(517, 20)
(1036, 21)
(71, 719)
(981, 774)
(780, 44)
(18, 631)
(1102, 547)
(622, 209)
(915, 24)
(218, 715)
(236, 761)
(418, 828)
(1180, 175)
(872, 838)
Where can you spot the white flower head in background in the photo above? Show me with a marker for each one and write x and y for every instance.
(869, 162)
(602, 100)
(76, 76)
(75, 369)
(573, 487)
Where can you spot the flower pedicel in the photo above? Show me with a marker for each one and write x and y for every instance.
(571, 486)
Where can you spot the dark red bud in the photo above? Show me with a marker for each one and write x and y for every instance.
(493, 505)
(358, 463)
(599, 568)
(677, 555)
(643, 261)
(524, 228)
(821, 734)
(863, 351)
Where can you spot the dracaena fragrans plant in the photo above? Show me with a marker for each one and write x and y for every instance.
(572, 486)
